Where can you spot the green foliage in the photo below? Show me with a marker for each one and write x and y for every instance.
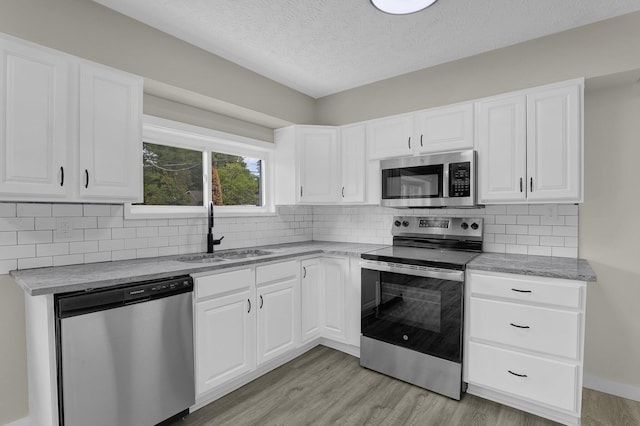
(238, 185)
(172, 176)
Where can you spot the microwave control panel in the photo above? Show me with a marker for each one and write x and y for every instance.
(460, 179)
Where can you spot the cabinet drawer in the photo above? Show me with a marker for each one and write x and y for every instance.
(528, 289)
(541, 380)
(224, 282)
(551, 331)
(277, 271)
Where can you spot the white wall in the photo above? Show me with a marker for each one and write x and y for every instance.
(594, 50)
(610, 234)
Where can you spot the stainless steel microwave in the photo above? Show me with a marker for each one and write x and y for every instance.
(435, 180)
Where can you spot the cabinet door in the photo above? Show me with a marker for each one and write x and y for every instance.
(311, 299)
(554, 144)
(353, 162)
(110, 134)
(225, 339)
(34, 123)
(501, 145)
(276, 319)
(334, 296)
(390, 137)
(444, 129)
(318, 166)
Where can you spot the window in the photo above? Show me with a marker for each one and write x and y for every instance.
(186, 167)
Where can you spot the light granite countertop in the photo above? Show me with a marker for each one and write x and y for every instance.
(540, 266)
(63, 279)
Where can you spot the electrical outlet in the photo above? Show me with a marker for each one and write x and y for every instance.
(551, 211)
(64, 228)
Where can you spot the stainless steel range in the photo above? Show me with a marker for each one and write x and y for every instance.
(412, 301)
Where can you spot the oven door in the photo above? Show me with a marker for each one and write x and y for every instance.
(415, 307)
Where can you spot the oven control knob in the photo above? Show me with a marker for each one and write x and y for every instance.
(464, 225)
(397, 223)
(405, 223)
(474, 226)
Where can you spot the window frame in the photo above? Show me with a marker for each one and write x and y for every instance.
(166, 132)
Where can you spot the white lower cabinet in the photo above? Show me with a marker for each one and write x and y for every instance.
(243, 318)
(524, 340)
(323, 302)
(310, 299)
(248, 321)
(224, 327)
(277, 309)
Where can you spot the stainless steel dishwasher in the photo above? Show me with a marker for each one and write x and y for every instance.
(125, 354)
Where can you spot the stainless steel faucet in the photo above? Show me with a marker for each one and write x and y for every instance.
(210, 240)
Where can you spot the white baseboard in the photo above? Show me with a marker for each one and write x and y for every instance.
(609, 386)
(20, 422)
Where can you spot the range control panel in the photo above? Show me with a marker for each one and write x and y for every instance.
(436, 226)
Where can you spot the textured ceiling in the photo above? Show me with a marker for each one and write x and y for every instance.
(320, 47)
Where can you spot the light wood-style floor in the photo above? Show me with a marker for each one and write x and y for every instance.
(328, 387)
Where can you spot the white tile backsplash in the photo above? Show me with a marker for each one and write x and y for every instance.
(100, 233)
(546, 230)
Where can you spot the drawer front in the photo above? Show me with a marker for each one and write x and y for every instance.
(224, 282)
(541, 380)
(277, 271)
(550, 331)
(529, 289)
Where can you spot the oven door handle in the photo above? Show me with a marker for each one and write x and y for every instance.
(418, 271)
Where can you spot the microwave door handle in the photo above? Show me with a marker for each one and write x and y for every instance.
(445, 180)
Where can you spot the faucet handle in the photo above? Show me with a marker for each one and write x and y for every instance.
(217, 242)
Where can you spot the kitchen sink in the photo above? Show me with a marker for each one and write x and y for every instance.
(223, 256)
(242, 254)
(201, 258)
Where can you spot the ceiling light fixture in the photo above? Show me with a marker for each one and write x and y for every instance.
(402, 7)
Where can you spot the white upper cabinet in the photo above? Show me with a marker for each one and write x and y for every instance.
(318, 164)
(554, 144)
(390, 137)
(34, 123)
(530, 144)
(501, 148)
(70, 130)
(110, 134)
(353, 163)
(444, 129)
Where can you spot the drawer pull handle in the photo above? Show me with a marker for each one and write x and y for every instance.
(518, 326)
(261, 302)
(516, 374)
(249, 302)
(521, 291)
